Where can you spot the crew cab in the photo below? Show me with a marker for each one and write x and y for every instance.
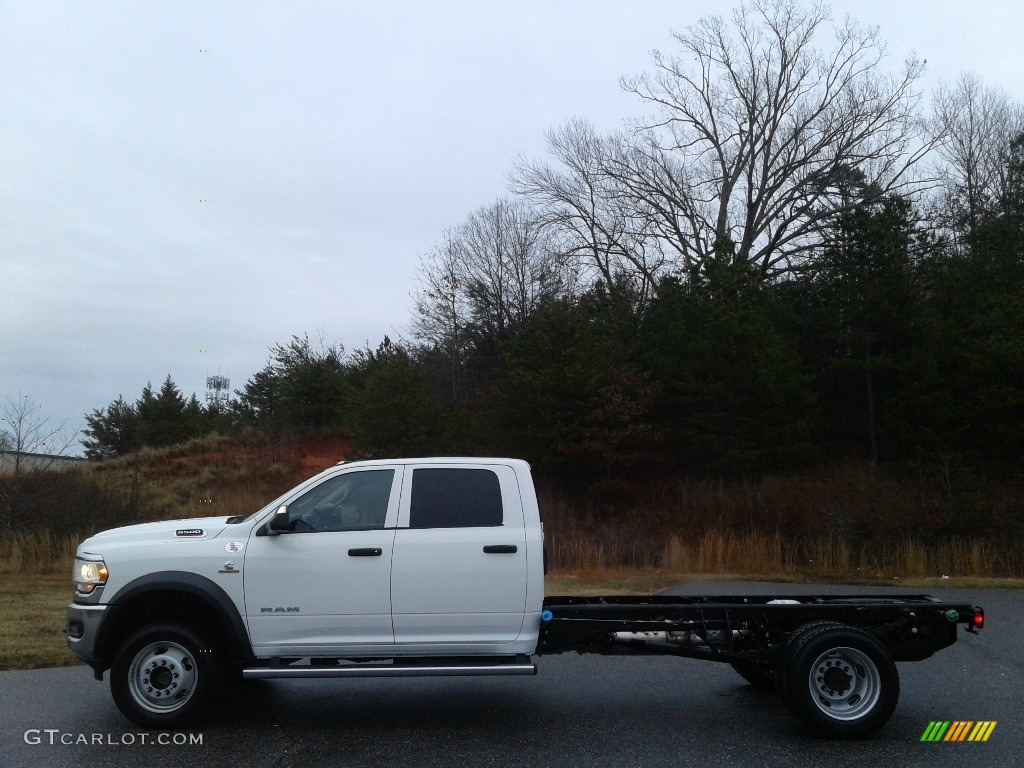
(436, 567)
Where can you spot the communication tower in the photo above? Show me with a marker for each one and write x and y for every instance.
(218, 390)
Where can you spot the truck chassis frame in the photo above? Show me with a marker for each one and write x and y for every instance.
(830, 657)
(740, 628)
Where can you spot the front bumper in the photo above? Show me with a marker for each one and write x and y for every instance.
(82, 627)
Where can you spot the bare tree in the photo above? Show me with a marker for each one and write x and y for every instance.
(755, 123)
(976, 124)
(24, 432)
(442, 311)
(608, 235)
(33, 446)
(490, 273)
(510, 268)
(484, 280)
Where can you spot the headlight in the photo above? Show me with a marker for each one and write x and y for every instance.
(88, 574)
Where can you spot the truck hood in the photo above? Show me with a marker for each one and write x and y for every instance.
(189, 529)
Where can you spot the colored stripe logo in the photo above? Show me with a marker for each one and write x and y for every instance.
(958, 730)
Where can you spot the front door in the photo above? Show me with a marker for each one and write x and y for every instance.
(325, 584)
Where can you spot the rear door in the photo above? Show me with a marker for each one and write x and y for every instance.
(458, 571)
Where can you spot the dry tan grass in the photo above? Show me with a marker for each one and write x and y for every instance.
(651, 581)
(39, 552)
(756, 554)
(32, 621)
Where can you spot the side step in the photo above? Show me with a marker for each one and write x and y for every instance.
(389, 670)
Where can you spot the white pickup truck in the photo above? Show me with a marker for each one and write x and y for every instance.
(436, 567)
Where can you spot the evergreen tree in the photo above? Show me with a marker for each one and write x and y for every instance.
(867, 319)
(733, 397)
(394, 412)
(155, 420)
(300, 387)
(550, 373)
(570, 397)
(167, 423)
(111, 431)
(972, 357)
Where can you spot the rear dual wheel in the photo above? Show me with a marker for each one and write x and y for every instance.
(839, 680)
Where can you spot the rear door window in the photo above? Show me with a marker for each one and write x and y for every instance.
(455, 498)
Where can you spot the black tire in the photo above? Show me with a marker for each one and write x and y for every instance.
(164, 676)
(758, 673)
(839, 680)
(787, 652)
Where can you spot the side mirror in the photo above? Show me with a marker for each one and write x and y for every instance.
(279, 522)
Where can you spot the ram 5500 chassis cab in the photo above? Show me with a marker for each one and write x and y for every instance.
(436, 567)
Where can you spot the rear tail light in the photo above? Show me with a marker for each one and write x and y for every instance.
(978, 620)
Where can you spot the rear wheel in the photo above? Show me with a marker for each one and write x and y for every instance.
(164, 676)
(839, 680)
(787, 649)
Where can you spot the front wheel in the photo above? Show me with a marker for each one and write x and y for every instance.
(839, 680)
(164, 676)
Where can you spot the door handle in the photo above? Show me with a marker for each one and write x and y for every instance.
(500, 549)
(365, 552)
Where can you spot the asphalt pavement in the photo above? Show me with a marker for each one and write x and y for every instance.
(577, 711)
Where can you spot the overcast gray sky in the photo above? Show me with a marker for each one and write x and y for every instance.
(333, 142)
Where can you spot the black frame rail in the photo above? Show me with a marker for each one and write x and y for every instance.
(735, 628)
